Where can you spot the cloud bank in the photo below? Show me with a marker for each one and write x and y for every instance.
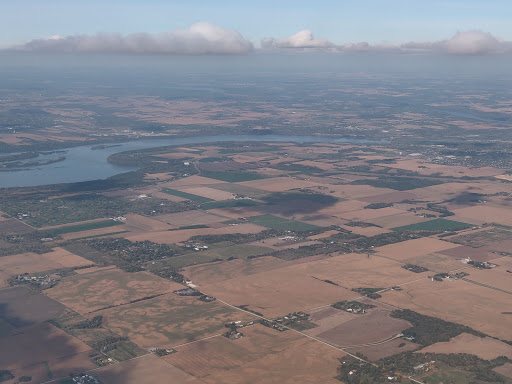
(199, 38)
(473, 42)
(302, 39)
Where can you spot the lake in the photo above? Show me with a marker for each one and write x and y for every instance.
(90, 162)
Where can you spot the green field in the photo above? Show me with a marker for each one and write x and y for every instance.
(280, 224)
(240, 190)
(229, 204)
(102, 235)
(185, 195)
(85, 227)
(233, 177)
(434, 225)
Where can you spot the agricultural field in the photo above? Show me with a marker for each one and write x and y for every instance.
(260, 235)
(91, 292)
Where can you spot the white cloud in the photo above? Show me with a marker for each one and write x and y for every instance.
(473, 43)
(199, 38)
(302, 39)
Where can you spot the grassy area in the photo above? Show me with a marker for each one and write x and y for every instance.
(276, 222)
(102, 235)
(435, 225)
(185, 195)
(229, 204)
(232, 176)
(240, 190)
(85, 227)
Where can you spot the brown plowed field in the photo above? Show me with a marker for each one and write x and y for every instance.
(484, 347)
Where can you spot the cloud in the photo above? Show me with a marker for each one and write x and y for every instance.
(199, 38)
(302, 39)
(473, 42)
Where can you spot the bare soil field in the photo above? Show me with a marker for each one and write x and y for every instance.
(146, 223)
(444, 170)
(305, 361)
(356, 270)
(348, 191)
(172, 237)
(14, 226)
(436, 262)
(486, 214)
(214, 272)
(278, 184)
(348, 329)
(413, 248)
(210, 193)
(41, 342)
(462, 302)
(20, 306)
(170, 320)
(4, 280)
(462, 252)
(389, 348)
(99, 232)
(366, 231)
(484, 347)
(393, 197)
(488, 237)
(399, 220)
(183, 219)
(147, 369)
(369, 214)
(90, 292)
(28, 263)
(277, 292)
(497, 277)
(449, 191)
(505, 370)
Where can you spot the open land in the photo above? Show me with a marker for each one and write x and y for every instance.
(249, 233)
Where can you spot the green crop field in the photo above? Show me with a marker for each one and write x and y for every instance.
(85, 227)
(229, 204)
(276, 222)
(185, 195)
(233, 177)
(435, 225)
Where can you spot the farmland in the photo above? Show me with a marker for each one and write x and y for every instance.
(333, 242)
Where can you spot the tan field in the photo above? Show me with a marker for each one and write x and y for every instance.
(444, 170)
(146, 223)
(32, 262)
(4, 280)
(413, 248)
(462, 252)
(355, 270)
(90, 292)
(497, 277)
(183, 219)
(462, 302)
(207, 192)
(172, 237)
(215, 272)
(505, 370)
(40, 342)
(190, 181)
(277, 292)
(98, 232)
(369, 214)
(399, 220)
(486, 214)
(366, 231)
(147, 369)
(345, 329)
(348, 191)
(262, 353)
(278, 184)
(389, 348)
(436, 262)
(484, 347)
(171, 320)
(392, 197)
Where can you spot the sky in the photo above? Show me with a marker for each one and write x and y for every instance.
(339, 22)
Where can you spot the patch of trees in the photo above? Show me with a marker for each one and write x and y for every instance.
(378, 205)
(440, 209)
(5, 375)
(369, 292)
(414, 268)
(362, 224)
(427, 330)
(95, 322)
(109, 343)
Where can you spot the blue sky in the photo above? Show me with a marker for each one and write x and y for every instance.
(374, 21)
